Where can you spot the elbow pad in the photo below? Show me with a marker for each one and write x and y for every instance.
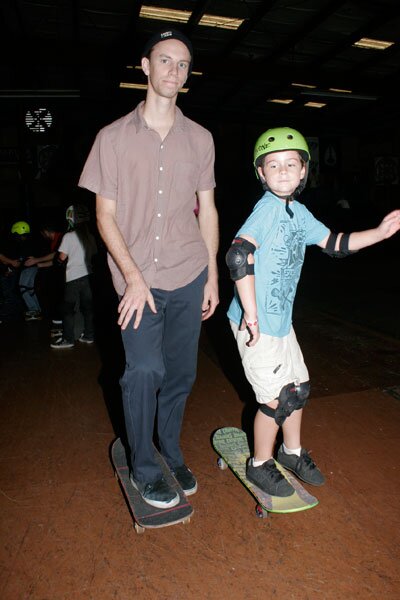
(237, 258)
(343, 246)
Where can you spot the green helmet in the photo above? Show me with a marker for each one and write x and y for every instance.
(279, 140)
(21, 228)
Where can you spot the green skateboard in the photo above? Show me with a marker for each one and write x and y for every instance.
(232, 446)
(144, 515)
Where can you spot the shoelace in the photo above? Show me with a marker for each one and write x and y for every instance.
(308, 461)
(273, 473)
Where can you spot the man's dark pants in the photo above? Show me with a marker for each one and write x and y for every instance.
(160, 369)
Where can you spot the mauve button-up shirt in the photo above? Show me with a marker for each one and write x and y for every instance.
(154, 185)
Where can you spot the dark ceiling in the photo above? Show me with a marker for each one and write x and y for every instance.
(82, 48)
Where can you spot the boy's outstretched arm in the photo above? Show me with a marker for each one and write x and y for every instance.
(361, 239)
(247, 295)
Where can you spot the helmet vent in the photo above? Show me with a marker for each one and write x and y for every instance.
(289, 137)
(271, 139)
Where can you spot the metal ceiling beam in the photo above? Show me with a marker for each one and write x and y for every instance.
(195, 17)
(302, 32)
(246, 27)
(391, 12)
(292, 40)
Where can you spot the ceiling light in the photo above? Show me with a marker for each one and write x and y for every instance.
(220, 22)
(340, 91)
(304, 85)
(315, 104)
(280, 100)
(133, 86)
(143, 86)
(164, 14)
(339, 94)
(183, 16)
(372, 44)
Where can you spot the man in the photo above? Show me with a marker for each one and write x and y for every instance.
(148, 170)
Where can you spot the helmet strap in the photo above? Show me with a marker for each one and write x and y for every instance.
(287, 207)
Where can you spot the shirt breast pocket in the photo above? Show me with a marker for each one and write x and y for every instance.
(184, 183)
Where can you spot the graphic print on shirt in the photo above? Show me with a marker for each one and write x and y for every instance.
(287, 257)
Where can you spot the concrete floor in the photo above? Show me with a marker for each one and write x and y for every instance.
(66, 533)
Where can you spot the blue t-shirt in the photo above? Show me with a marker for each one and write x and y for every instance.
(278, 260)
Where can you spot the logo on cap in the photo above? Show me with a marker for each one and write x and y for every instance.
(166, 34)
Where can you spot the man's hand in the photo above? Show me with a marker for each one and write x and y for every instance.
(134, 299)
(210, 300)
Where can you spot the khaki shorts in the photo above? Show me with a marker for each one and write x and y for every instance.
(271, 364)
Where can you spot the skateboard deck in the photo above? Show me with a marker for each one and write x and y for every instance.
(232, 446)
(144, 515)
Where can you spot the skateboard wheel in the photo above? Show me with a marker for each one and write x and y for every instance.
(222, 464)
(139, 530)
(186, 521)
(261, 512)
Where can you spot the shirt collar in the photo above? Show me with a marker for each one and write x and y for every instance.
(140, 123)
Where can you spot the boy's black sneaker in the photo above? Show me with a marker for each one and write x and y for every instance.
(158, 494)
(269, 479)
(186, 479)
(303, 466)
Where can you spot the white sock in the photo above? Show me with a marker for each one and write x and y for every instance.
(291, 450)
(258, 463)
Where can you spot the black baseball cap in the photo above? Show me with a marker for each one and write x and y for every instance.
(168, 34)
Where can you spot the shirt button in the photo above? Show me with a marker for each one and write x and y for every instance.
(159, 215)
(157, 237)
(162, 146)
(160, 191)
(161, 169)
(156, 260)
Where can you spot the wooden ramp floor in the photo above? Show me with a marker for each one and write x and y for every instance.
(66, 533)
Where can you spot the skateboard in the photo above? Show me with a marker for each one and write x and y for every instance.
(232, 446)
(144, 515)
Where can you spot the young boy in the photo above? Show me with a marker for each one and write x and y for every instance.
(265, 261)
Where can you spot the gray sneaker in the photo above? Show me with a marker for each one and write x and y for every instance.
(303, 466)
(158, 494)
(85, 340)
(186, 479)
(269, 479)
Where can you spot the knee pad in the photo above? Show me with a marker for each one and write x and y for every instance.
(291, 397)
(303, 393)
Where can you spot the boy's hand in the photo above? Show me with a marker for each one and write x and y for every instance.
(390, 225)
(252, 328)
